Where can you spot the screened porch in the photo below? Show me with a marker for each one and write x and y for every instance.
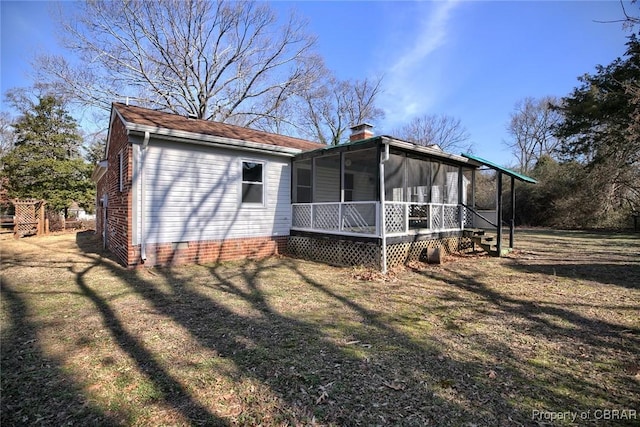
(380, 187)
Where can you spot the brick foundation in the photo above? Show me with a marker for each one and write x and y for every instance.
(202, 252)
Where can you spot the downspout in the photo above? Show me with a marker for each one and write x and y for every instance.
(383, 232)
(143, 193)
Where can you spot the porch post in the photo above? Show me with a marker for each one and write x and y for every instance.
(499, 214)
(460, 211)
(430, 216)
(384, 156)
(513, 213)
(473, 196)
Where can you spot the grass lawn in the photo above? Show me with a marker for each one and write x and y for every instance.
(549, 333)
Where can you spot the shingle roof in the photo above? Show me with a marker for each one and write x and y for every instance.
(158, 119)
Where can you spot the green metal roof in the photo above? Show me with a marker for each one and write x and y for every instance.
(506, 171)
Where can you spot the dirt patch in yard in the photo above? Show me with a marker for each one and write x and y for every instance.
(548, 333)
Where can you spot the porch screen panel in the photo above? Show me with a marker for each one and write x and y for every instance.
(418, 180)
(360, 175)
(394, 185)
(467, 186)
(437, 182)
(326, 179)
(451, 177)
(302, 181)
(467, 196)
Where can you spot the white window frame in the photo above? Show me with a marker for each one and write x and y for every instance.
(263, 183)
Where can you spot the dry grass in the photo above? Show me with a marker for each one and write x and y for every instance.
(476, 341)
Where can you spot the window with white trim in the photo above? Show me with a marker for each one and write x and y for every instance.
(252, 183)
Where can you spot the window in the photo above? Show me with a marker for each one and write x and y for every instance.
(302, 181)
(348, 187)
(252, 182)
(121, 171)
(360, 179)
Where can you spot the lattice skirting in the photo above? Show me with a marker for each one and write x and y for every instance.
(401, 253)
(346, 253)
(335, 251)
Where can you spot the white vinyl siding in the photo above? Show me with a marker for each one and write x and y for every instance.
(326, 185)
(193, 193)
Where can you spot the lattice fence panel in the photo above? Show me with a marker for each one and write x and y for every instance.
(300, 246)
(343, 252)
(400, 253)
(450, 219)
(397, 254)
(301, 216)
(467, 217)
(436, 218)
(394, 217)
(326, 217)
(335, 252)
(27, 213)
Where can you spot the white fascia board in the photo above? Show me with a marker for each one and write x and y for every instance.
(211, 140)
(427, 150)
(112, 116)
(99, 170)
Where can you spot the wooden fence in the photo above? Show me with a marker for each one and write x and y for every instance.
(29, 218)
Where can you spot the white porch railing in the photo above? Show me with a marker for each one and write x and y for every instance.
(363, 218)
(401, 217)
(350, 218)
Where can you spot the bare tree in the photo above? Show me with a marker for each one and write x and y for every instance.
(531, 130)
(629, 21)
(331, 109)
(223, 61)
(7, 135)
(445, 131)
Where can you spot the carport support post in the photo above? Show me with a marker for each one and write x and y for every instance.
(513, 212)
(499, 225)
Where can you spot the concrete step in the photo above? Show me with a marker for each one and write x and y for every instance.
(484, 240)
(471, 232)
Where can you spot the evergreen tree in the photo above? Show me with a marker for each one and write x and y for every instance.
(599, 129)
(45, 162)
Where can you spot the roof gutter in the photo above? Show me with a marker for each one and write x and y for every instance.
(427, 150)
(210, 140)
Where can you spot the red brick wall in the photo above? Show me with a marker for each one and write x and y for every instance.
(119, 222)
(210, 251)
(119, 202)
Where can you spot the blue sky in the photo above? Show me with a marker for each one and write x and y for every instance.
(470, 59)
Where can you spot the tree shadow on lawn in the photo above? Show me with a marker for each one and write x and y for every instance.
(573, 337)
(398, 380)
(608, 258)
(624, 275)
(35, 390)
(371, 374)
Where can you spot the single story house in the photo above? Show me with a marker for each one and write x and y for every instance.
(76, 212)
(173, 189)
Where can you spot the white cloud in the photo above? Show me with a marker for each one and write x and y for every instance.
(409, 78)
